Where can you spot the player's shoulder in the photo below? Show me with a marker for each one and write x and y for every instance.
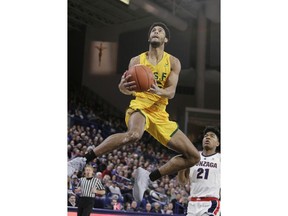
(134, 60)
(217, 156)
(175, 63)
(173, 58)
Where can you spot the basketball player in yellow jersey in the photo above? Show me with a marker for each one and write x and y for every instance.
(148, 112)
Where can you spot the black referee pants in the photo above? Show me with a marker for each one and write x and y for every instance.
(85, 206)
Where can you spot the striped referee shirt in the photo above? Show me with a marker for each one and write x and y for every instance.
(86, 185)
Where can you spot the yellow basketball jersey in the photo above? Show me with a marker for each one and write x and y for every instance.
(153, 106)
(161, 73)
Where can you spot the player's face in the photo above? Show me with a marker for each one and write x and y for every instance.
(157, 37)
(210, 141)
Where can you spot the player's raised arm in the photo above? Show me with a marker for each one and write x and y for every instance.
(124, 86)
(170, 88)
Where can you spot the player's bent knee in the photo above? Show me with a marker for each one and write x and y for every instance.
(193, 159)
(133, 136)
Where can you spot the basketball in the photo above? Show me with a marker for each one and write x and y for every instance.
(143, 77)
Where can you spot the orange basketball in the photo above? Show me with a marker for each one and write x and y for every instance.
(143, 77)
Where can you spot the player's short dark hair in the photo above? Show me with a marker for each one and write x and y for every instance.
(166, 29)
(213, 129)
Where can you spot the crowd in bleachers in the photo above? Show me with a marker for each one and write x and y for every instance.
(89, 124)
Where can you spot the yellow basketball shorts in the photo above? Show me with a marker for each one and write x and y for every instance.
(157, 124)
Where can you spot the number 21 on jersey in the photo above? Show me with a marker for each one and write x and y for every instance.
(202, 173)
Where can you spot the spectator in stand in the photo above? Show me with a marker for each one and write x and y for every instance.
(107, 180)
(72, 200)
(170, 209)
(99, 176)
(134, 207)
(102, 165)
(108, 183)
(164, 210)
(108, 170)
(115, 205)
(178, 205)
(69, 151)
(100, 200)
(127, 206)
(126, 191)
(146, 199)
(69, 185)
(172, 194)
(156, 208)
(75, 153)
(148, 208)
(114, 189)
(74, 182)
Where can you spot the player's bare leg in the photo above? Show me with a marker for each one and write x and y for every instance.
(189, 155)
(135, 131)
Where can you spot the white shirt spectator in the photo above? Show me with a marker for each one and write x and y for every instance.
(115, 189)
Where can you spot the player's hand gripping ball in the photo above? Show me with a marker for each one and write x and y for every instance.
(143, 77)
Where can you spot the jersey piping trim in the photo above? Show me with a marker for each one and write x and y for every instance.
(175, 130)
(208, 155)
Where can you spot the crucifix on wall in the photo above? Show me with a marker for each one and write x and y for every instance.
(100, 50)
(103, 57)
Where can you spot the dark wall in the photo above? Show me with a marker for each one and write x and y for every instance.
(76, 44)
(213, 46)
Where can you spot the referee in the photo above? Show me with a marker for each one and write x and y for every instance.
(88, 187)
